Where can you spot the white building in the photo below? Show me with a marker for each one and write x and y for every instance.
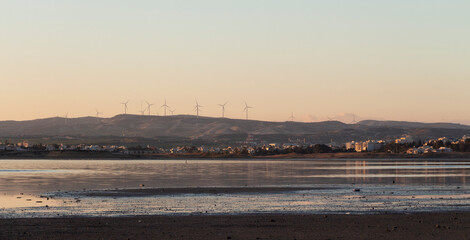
(371, 146)
(51, 148)
(404, 139)
(350, 145)
(367, 146)
(444, 149)
(358, 146)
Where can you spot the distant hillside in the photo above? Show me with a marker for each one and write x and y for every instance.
(401, 124)
(190, 128)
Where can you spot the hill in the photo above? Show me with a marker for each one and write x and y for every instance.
(140, 129)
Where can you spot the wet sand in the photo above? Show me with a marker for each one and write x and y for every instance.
(267, 226)
(196, 190)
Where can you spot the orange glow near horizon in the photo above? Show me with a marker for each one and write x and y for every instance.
(318, 60)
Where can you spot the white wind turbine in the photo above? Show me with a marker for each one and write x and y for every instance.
(354, 119)
(172, 111)
(223, 108)
(142, 110)
(98, 113)
(125, 106)
(164, 106)
(66, 117)
(149, 105)
(292, 118)
(197, 108)
(246, 110)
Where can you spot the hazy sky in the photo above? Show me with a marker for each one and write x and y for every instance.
(396, 60)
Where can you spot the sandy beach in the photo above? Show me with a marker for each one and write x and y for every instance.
(275, 226)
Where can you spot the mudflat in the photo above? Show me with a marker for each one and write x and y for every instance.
(195, 190)
(443, 225)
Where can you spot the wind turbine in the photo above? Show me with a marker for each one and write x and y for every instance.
(246, 110)
(125, 106)
(165, 107)
(223, 108)
(172, 111)
(142, 110)
(98, 113)
(66, 117)
(354, 119)
(292, 118)
(149, 105)
(197, 108)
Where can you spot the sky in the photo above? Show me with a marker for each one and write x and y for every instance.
(388, 60)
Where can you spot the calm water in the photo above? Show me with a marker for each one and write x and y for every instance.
(385, 185)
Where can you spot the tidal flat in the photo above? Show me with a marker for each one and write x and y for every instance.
(201, 199)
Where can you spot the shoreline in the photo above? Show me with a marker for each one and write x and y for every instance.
(430, 225)
(136, 192)
(71, 155)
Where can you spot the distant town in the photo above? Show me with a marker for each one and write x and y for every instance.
(251, 147)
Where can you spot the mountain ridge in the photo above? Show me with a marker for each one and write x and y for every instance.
(211, 128)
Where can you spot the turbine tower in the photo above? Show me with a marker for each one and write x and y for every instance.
(142, 110)
(149, 105)
(125, 106)
(164, 106)
(98, 113)
(172, 111)
(66, 117)
(354, 119)
(292, 118)
(246, 110)
(223, 108)
(197, 108)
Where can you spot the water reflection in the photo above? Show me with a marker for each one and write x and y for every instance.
(39, 176)
(30, 188)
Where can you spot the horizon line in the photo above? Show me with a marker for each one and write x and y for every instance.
(243, 119)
